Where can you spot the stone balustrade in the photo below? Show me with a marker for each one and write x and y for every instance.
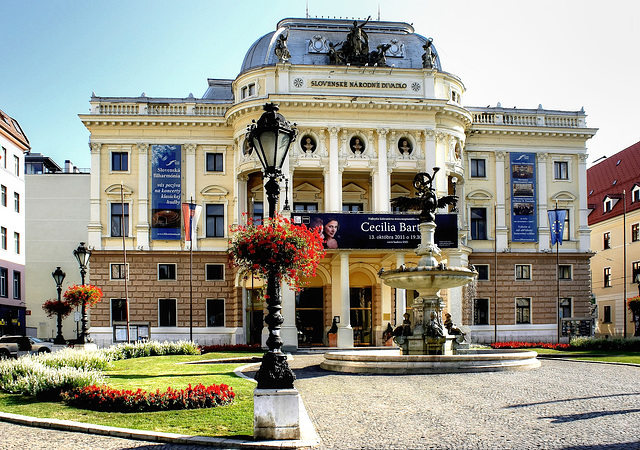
(119, 108)
(528, 118)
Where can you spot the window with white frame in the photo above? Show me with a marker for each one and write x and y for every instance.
(4, 282)
(17, 285)
(16, 242)
(606, 241)
(166, 271)
(3, 238)
(215, 220)
(635, 194)
(215, 312)
(16, 202)
(215, 272)
(635, 232)
(214, 162)
(478, 223)
(118, 272)
(16, 165)
(523, 272)
(483, 271)
(481, 311)
(523, 310)
(565, 307)
(564, 271)
(3, 195)
(118, 310)
(606, 314)
(167, 312)
(607, 205)
(478, 168)
(560, 170)
(117, 219)
(120, 161)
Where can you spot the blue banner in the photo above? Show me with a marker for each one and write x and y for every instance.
(166, 191)
(524, 223)
(377, 231)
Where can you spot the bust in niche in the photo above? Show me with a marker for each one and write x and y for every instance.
(356, 145)
(404, 146)
(308, 144)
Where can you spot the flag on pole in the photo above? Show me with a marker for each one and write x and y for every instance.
(191, 214)
(556, 225)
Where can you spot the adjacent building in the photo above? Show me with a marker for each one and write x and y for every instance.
(374, 105)
(56, 219)
(614, 203)
(13, 145)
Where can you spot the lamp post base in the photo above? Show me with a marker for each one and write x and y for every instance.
(274, 372)
(276, 414)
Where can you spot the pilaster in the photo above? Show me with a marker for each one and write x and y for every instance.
(94, 239)
(142, 227)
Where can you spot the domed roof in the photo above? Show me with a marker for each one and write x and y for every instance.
(310, 41)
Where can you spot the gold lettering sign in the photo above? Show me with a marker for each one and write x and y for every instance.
(357, 84)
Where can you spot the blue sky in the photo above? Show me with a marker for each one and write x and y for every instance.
(563, 54)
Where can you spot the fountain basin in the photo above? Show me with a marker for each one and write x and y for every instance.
(465, 361)
(428, 280)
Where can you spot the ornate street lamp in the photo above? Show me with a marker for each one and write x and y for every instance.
(271, 137)
(82, 254)
(58, 276)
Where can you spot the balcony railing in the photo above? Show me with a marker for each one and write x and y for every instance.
(529, 118)
(158, 109)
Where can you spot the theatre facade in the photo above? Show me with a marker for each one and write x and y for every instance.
(374, 105)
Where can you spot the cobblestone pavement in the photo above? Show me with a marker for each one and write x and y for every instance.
(562, 405)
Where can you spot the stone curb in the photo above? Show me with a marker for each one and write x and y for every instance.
(574, 359)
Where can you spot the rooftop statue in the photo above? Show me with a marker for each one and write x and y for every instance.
(429, 56)
(355, 49)
(427, 202)
(281, 50)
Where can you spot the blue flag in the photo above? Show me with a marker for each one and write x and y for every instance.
(556, 225)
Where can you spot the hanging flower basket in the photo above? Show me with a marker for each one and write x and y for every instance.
(85, 294)
(291, 251)
(54, 307)
(634, 305)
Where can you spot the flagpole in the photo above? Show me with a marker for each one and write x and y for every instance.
(191, 275)
(124, 253)
(495, 272)
(624, 262)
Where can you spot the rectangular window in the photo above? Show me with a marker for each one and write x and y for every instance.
(215, 162)
(561, 170)
(478, 223)
(117, 219)
(252, 89)
(3, 159)
(303, 206)
(3, 195)
(120, 161)
(215, 272)
(215, 312)
(118, 272)
(523, 271)
(567, 228)
(16, 241)
(565, 308)
(564, 272)
(481, 311)
(215, 220)
(167, 312)
(635, 194)
(4, 280)
(16, 202)
(606, 314)
(483, 271)
(523, 310)
(635, 232)
(352, 207)
(3, 238)
(606, 241)
(166, 271)
(607, 277)
(16, 285)
(635, 272)
(607, 205)
(16, 165)
(118, 310)
(478, 169)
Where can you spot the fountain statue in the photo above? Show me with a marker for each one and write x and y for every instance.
(429, 335)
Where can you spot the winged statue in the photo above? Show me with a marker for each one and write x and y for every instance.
(427, 202)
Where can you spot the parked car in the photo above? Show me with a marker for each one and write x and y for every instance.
(14, 346)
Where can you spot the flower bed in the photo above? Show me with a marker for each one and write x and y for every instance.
(150, 348)
(104, 398)
(230, 348)
(548, 345)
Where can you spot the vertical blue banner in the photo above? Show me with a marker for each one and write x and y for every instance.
(524, 223)
(166, 191)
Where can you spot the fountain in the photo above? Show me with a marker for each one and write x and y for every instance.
(431, 345)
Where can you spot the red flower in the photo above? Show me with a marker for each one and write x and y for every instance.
(87, 294)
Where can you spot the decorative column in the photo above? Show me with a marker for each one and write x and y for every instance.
(543, 199)
(242, 206)
(502, 241)
(142, 227)
(430, 151)
(401, 295)
(383, 187)
(95, 226)
(333, 177)
(340, 290)
(584, 233)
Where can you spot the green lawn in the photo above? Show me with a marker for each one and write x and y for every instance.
(593, 355)
(160, 372)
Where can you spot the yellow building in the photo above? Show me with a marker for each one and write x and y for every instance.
(614, 201)
(374, 107)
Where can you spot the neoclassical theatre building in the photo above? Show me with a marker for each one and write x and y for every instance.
(374, 105)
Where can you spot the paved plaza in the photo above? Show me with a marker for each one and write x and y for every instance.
(562, 405)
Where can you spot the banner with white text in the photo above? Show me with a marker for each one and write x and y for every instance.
(166, 192)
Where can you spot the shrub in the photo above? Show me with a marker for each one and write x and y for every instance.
(587, 343)
(104, 398)
(68, 357)
(230, 348)
(28, 376)
(549, 345)
(150, 348)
